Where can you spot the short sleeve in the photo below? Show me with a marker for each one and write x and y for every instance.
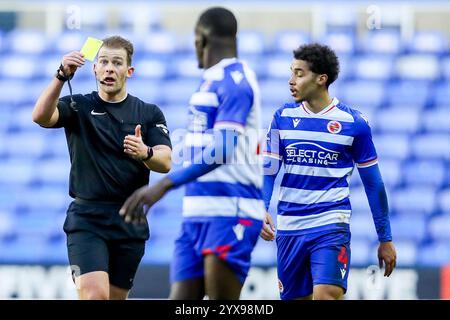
(363, 148)
(67, 115)
(158, 133)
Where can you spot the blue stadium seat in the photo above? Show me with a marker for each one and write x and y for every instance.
(431, 146)
(394, 146)
(39, 225)
(54, 171)
(343, 43)
(17, 171)
(25, 145)
(251, 42)
(445, 66)
(435, 254)
(346, 69)
(441, 94)
(6, 222)
(46, 198)
(158, 251)
(56, 253)
(275, 93)
(418, 67)
(19, 66)
(147, 90)
(24, 249)
(436, 120)
(67, 41)
(414, 200)
(186, 66)
(391, 172)
(176, 117)
(444, 201)
(279, 67)
(289, 40)
(397, 120)
(358, 200)
(165, 225)
(264, 253)
(399, 94)
(382, 41)
(139, 17)
(373, 67)
(362, 94)
(407, 253)
(439, 227)
(10, 194)
(426, 173)
(56, 145)
(179, 91)
(360, 252)
(16, 90)
(362, 227)
(409, 228)
(151, 69)
(185, 44)
(160, 43)
(27, 41)
(429, 42)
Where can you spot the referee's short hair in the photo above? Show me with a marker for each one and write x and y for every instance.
(219, 22)
(116, 42)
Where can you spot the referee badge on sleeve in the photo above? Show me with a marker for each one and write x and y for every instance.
(163, 128)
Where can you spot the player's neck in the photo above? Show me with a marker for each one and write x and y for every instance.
(216, 54)
(319, 102)
(113, 97)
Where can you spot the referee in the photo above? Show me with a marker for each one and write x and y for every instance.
(114, 140)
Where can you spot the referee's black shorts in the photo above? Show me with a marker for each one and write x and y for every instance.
(98, 239)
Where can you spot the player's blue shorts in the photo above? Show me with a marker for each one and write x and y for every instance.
(307, 260)
(231, 239)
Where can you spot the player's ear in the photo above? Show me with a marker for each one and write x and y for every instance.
(322, 79)
(203, 40)
(130, 72)
(95, 69)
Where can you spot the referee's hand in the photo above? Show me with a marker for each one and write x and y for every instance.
(133, 209)
(72, 61)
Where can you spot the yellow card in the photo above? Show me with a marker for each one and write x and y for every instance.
(91, 47)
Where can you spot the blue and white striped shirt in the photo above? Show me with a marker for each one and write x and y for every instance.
(319, 152)
(228, 98)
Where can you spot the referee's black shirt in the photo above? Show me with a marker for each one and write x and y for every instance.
(95, 131)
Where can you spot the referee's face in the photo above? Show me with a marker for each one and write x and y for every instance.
(112, 70)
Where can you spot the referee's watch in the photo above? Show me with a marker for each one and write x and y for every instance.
(149, 153)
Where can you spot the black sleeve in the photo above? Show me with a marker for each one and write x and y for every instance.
(158, 133)
(66, 114)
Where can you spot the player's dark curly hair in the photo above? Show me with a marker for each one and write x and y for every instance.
(321, 60)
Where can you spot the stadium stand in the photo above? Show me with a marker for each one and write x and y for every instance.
(402, 87)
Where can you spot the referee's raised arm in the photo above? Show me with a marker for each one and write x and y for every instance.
(45, 112)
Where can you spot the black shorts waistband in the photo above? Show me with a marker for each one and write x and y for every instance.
(97, 203)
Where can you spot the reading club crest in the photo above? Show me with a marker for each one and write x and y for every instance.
(334, 126)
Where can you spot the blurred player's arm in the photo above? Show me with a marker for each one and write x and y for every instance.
(45, 112)
(221, 150)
